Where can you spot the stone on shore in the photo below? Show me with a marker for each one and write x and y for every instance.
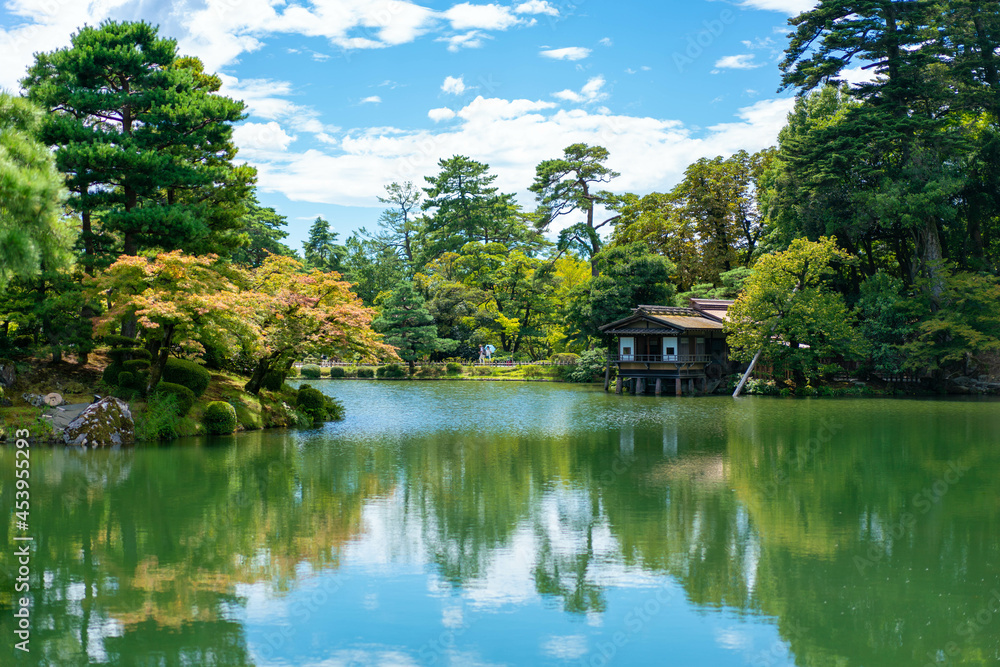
(107, 423)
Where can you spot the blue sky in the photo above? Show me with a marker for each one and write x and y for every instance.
(346, 96)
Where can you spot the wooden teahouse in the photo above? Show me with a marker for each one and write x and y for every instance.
(664, 345)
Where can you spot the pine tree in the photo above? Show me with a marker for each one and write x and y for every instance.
(145, 139)
(407, 326)
(321, 249)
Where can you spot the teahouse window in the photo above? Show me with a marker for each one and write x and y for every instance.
(669, 348)
(626, 348)
(699, 346)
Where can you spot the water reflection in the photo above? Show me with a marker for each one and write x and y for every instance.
(528, 524)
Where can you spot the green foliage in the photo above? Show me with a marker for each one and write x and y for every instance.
(565, 358)
(590, 368)
(188, 373)
(337, 372)
(788, 305)
(219, 418)
(884, 321)
(126, 379)
(453, 368)
(136, 364)
(32, 232)
(318, 405)
(958, 324)
(321, 249)
(366, 372)
(160, 419)
(273, 380)
(390, 371)
(261, 229)
(183, 397)
(311, 371)
(407, 326)
(145, 139)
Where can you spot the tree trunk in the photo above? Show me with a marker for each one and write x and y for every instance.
(257, 379)
(160, 362)
(411, 366)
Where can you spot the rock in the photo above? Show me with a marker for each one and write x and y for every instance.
(36, 400)
(107, 423)
(8, 373)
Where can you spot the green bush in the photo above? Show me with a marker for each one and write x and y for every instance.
(292, 372)
(453, 368)
(337, 372)
(126, 379)
(483, 370)
(114, 340)
(219, 418)
(111, 373)
(310, 371)
(188, 373)
(366, 373)
(390, 371)
(318, 405)
(160, 419)
(183, 397)
(589, 368)
(136, 364)
(273, 380)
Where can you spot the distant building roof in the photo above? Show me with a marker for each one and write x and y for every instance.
(716, 309)
(668, 317)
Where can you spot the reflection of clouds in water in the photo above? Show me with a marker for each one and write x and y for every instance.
(733, 638)
(571, 647)
(396, 410)
(368, 656)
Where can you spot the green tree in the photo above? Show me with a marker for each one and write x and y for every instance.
(788, 310)
(33, 235)
(145, 139)
(630, 275)
(565, 185)
(401, 229)
(407, 326)
(321, 249)
(466, 207)
(262, 228)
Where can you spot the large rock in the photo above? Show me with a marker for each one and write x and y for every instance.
(8, 373)
(107, 423)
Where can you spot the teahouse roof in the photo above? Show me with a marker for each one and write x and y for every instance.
(715, 309)
(666, 319)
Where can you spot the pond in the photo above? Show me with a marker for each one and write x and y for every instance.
(487, 523)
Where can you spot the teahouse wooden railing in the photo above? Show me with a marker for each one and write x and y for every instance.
(662, 358)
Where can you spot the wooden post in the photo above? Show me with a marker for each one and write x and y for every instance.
(691, 386)
(618, 385)
(678, 390)
(607, 376)
(659, 386)
(640, 386)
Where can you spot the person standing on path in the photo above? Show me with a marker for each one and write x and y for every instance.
(482, 354)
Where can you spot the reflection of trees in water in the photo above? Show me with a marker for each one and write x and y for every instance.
(142, 550)
(171, 533)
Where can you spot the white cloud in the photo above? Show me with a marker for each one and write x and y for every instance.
(373, 99)
(790, 7)
(438, 115)
(742, 61)
(468, 40)
(467, 16)
(261, 137)
(569, 53)
(453, 85)
(265, 98)
(536, 7)
(591, 92)
(513, 136)
(856, 75)
(606, 41)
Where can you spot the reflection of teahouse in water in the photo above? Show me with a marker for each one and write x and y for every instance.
(657, 344)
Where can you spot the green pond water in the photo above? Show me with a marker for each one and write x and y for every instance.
(461, 523)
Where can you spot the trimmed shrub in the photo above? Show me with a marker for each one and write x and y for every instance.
(318, 405)
(135, 365)
(589, 368)
(114, 340)
(337, 372)
(366, 373)
(390, 371)
(126, 379)
(453, 368)
(273, 380)
(310, 371)
(184, 396)
(111, 373)
(188, 373)
(219, 418)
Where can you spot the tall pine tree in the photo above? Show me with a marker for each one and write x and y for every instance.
(407, 326)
